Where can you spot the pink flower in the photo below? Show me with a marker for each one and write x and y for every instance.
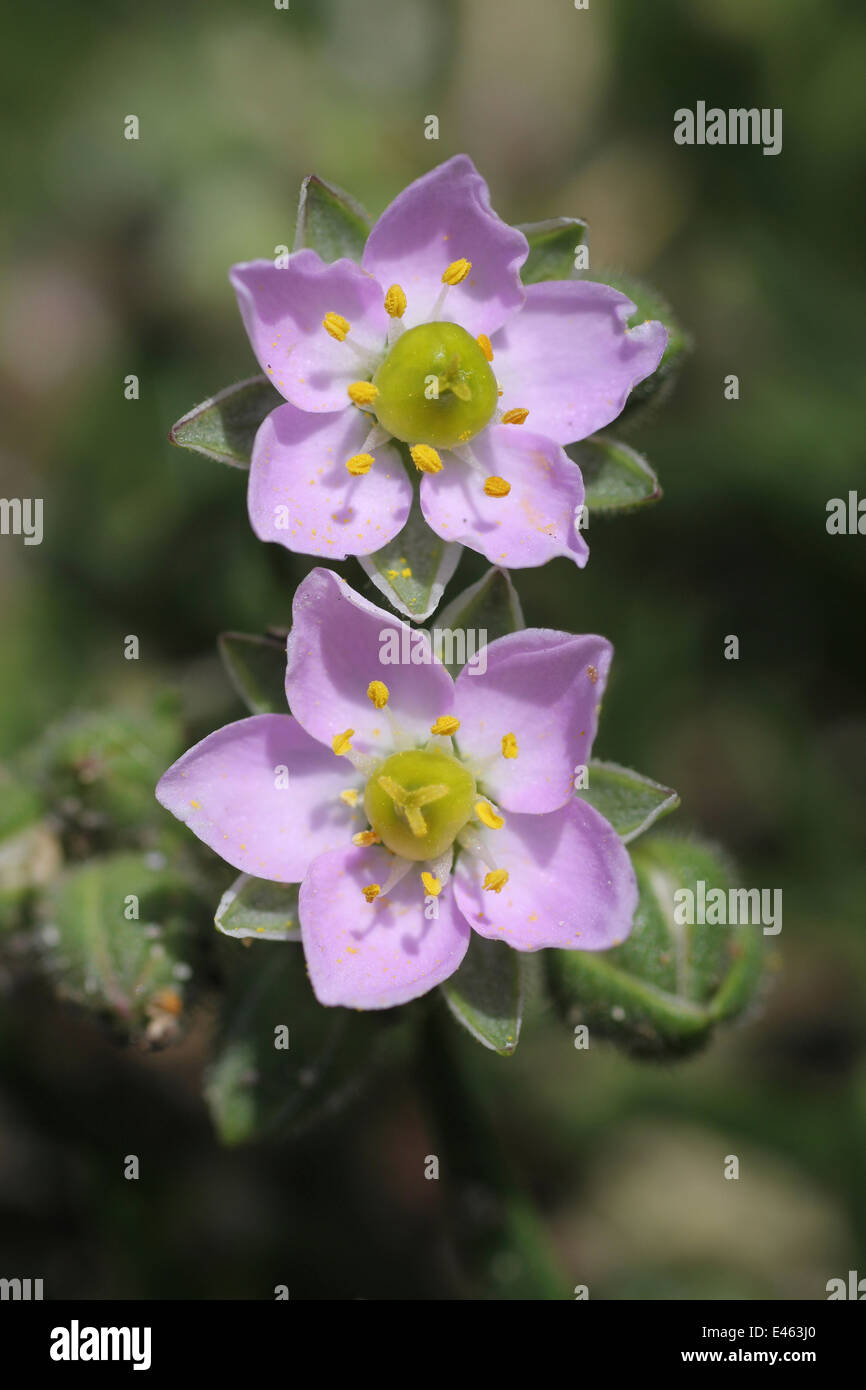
(418, 808)
(433, 342)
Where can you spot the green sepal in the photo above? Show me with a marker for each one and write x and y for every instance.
(224, 426)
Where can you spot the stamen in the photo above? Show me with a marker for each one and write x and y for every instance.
(362, 392)
(425, 458)
(395, 302)
(432, 885)
(378, 692)
(359, 464)
(484, 343)
(366, 837)
(371, 892)
(337, 326)
(341, 743)
(456, 272)
(446, 724)
(496, 487)
(486, 814)
(350, 796)
(514, 417)
(495, 881)
(509, 746)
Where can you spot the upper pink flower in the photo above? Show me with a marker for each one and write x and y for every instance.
(418, 808)
(434, 342)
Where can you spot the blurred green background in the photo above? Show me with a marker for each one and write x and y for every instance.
(114, 261)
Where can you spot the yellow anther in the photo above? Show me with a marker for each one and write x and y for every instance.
(378, 692)
(371, 892)
(362, 392)
(395, 302)
(456, 272)
(495, 881)
(484, 343)
(509, 746)
(496, 487)
(350, 796)
(366, 837)
(425, 458)
(486, 814)
(445, 724)
(337, 326)
(342, 743)
(432, 885)
(359, 464)
(515, 417)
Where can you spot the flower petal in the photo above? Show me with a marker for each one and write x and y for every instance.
(338, 644)
(375, 955)
(283, 308)
(440, 218)
(302, 496)
(536, 521)
(545, 688)
(229, 791)
(569, 359)
(570, 883)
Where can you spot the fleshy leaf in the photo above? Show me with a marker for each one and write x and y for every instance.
(486, 610)
(485, 994)
(630, 801)
(552, 248)
(119, 933)
(413, 569)
(649, 305)
(257, 669)
(330, 221)
(664, 990)
(616, 478)
(255, 1087)
(261, 909)
(30, 852)
(224, 426)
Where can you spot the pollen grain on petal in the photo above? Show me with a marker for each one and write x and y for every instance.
(366, 837)
(350, 796)
(378, 692)
(456, 272)
(342, 743)
(359, 464)
(495, 486)
(337, 326)
(372, 891)
(362, 392)
(592, 672)
(495, 881)
(432, 885)
(485, 345)
(517, 416)
(395, 302)
(425, 458)
(446, 724)
(486, 814)
(509, 746)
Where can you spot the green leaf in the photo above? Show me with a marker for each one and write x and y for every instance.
(649, 304)
(330, 221)
(485, 994)
(631, 802)
(224, 426)
(30, 851)
(552, 247)
(261, 909)
(133, 968)
(486, 610)
(255, 1088)
(413, 569)
(257, 670)
(662, 992)
(615, 477)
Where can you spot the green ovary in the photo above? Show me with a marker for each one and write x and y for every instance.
(435, 358)
(418, 801)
